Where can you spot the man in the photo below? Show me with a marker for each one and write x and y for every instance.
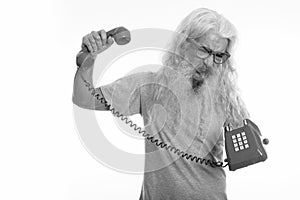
(197, 90)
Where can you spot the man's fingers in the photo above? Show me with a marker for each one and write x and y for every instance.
(110, 41)
(84, 47)
(102, 33)
(96, 42)
(97, 38)
(92, 42)
(86, 42)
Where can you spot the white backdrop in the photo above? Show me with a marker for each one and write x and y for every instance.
(41, 154)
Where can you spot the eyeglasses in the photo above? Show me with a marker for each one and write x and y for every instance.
(204, 52)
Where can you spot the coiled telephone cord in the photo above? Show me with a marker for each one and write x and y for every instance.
(151, 138)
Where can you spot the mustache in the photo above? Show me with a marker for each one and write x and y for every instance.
(204, 70)
(197, 74)
(200, 74)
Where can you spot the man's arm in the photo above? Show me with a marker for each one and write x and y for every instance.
(84, 93)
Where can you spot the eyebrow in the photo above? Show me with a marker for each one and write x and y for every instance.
(207, 46)
(196, 42)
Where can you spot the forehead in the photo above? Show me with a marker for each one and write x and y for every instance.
(214, 41)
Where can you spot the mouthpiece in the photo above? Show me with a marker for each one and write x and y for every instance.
(120, 34)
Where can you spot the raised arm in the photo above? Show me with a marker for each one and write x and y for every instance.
(84, 93)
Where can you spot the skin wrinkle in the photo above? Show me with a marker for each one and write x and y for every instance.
(203, 70)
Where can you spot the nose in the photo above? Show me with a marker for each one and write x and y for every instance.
(209, 60)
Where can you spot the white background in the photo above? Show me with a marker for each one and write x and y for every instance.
(41, 154)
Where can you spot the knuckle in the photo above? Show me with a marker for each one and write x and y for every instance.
(103, 35)
(85, 39)
(96, 36)
(103, 32)
(92, 40)
(86, 42)
(99, 42)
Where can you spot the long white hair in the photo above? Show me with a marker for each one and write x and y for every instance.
(196, 25)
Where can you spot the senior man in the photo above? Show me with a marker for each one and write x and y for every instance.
(197, 76)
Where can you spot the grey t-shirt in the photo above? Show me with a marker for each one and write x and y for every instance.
(174, 114)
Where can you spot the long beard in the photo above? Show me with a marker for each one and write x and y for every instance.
(198, 75)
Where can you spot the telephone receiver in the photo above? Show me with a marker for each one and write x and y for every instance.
(120, 34)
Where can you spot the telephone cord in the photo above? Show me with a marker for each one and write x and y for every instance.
(151, 138)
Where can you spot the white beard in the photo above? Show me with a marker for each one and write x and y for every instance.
(199, 76)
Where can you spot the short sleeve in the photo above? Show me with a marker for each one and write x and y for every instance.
(126, 94)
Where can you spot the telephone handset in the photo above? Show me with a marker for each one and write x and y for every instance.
(243, 145)
(120, 34)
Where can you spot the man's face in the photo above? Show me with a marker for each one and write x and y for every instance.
(202, 69)
(211, 40)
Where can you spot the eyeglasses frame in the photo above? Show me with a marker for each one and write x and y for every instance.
(209, 51)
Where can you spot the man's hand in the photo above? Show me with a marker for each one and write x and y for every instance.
(96, 42)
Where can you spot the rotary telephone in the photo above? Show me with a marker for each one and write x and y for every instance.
(243, 145)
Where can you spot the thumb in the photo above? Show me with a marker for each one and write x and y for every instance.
(110, 41)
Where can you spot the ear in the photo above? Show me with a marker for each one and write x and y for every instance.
(183, 49)
(229, 45)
